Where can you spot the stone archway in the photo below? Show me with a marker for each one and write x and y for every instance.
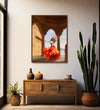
(50, 33)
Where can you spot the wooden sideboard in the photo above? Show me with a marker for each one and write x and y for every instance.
(49, 87)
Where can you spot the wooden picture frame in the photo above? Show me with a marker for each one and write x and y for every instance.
(49, 38)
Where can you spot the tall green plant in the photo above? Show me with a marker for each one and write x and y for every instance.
(88, 62)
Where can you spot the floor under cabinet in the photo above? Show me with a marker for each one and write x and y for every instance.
(49, 107)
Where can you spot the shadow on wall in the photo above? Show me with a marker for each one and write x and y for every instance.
(55, 99)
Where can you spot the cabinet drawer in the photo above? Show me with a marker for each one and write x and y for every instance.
(67, 88)
(32, 87)
(43, 88)
(50, 88)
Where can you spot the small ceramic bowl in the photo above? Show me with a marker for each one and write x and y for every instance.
(68, 76)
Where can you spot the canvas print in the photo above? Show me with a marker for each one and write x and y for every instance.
(49, 38)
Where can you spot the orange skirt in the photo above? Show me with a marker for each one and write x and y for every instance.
(51, 53)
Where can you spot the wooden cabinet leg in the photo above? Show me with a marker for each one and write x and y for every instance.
(76, 94)
(75, 100)
(23, 99)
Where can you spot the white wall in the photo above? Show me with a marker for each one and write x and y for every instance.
(81, 15)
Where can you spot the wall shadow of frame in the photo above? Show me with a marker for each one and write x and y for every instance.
(49, 39)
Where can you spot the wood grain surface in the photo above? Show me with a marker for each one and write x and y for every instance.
(49, 87)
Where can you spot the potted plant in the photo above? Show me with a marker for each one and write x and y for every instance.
(15, 94)
(89, 66)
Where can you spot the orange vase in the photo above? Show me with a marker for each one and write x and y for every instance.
(90, 99)
(38, 76)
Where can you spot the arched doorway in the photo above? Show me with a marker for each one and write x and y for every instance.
(50, 33)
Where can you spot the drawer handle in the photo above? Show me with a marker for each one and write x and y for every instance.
(58, 87)
(41, 87)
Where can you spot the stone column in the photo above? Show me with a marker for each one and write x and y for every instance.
(42, 53)
(66, 53)
(58, 43)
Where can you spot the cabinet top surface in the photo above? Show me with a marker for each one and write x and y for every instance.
(49, 80)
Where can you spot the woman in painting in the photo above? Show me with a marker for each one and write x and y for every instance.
(51, 53)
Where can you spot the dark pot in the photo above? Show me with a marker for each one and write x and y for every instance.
(30, 75)
(15, 100)
(90, 99)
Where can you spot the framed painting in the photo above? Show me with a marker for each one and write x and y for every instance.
(49, 38)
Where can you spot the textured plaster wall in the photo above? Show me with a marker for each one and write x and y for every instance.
(81, 15)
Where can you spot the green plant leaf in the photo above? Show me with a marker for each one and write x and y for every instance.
(20, 93)
(80, 61)
(94, 36)
(90, 80)
(16, 86)
(89, 50)
(81, 50)
(85, 56)
(81, 39)
(96, 75)
(10, 85)
(9, 94)
(93, 57)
